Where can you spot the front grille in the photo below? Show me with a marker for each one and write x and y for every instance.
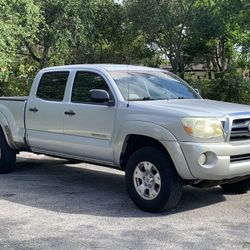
(235, 158)
(240, 130)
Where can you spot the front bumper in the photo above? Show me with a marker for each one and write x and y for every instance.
(220, 164)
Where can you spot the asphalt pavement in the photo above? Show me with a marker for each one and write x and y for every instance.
(48, 203)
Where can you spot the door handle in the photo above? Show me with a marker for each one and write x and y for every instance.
(33, 109)
(70, 112)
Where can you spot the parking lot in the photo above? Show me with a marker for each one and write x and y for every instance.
(50, 204)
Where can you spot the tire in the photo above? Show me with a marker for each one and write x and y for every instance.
(152, 181)
(7, 155)
(240, 187)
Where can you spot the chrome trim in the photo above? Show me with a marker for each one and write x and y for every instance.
(231, 118)
(230, 125)
(226, 127)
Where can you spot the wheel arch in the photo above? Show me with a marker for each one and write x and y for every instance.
(145, 132)
(5, 128)
(133, 142)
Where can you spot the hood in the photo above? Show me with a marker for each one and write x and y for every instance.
(168, 113)
(195, 107)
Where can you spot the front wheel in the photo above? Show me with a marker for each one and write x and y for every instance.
(152, 181)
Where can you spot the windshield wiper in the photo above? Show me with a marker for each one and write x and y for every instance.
(178, 97)
(147, 98)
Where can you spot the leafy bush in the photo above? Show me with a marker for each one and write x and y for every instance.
(231, 87)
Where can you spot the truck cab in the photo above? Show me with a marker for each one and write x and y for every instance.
(145, 121)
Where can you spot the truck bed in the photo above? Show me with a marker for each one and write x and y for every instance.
(12, 109)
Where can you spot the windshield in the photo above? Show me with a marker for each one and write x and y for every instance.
(151, 85)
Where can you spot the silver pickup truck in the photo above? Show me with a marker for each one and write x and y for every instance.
(145, 121)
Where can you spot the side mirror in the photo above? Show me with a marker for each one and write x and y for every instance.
(100, 96)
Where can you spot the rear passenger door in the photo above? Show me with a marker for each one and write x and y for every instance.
(45, 113)
(88, 126)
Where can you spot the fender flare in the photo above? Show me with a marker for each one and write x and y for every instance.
(148, 129)
(4, 125)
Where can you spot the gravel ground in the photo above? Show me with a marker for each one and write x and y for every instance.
(50, 204)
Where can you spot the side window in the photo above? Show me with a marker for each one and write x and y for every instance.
(52, 86)
(83, 83)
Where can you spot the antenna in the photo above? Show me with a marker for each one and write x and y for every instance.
(128, 86)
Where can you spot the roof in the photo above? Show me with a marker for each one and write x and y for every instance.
(107, 67)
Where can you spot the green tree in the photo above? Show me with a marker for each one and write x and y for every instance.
(39, 33)
(18, 21)
(216, 33)
(164, 24)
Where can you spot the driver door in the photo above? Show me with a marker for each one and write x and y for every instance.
(89, 126)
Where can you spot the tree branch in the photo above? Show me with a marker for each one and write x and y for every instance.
(31, 52)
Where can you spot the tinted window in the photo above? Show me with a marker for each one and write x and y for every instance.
(83, 83)
(52, 86)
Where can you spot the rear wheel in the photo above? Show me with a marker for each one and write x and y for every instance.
(7, 155)
(237, 187)
(152, 181)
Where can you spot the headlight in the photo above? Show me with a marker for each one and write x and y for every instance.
(203, 128)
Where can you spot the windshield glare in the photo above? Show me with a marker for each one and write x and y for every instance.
(151, 85)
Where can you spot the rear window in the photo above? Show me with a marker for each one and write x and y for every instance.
(52, 86)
